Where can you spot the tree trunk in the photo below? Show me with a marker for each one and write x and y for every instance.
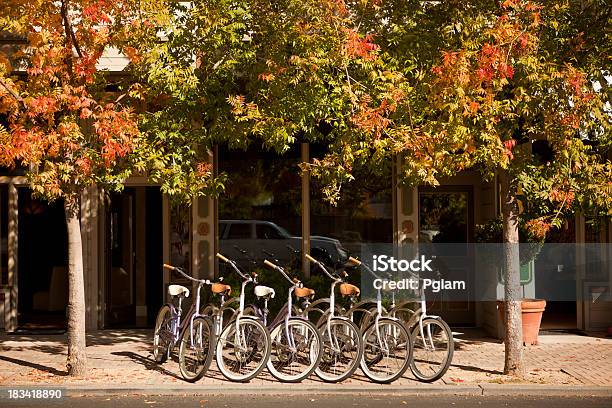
(77, 358)
(513, 328)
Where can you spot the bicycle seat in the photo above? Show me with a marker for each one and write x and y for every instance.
(221, 288)
(349, 290)
(178, 290)
(264, 292)
(303, 292)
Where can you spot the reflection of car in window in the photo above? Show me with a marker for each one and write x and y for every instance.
(257, 237)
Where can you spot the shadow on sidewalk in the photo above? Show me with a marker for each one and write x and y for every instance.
(35, 366)
(146, 362)
(476, 369)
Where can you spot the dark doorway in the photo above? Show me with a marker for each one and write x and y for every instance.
(42, 263)
(133, 242)
(446, 225)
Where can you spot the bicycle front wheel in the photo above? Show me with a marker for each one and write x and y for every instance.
(296, 350)
(243, 349)
(196, 349)
(433, 349)
(387, 351)
(162, 336)
(342, 350)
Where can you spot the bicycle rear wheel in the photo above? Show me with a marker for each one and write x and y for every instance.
(162, 336)
(433, 349)
(293, 364)
(195, 359)
(342, 350)
(386, 355)
(243, 351)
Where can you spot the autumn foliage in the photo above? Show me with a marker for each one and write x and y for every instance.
(59, 120)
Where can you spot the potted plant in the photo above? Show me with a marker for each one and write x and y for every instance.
(532, 309)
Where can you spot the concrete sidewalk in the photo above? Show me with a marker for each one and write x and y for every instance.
(120, 361)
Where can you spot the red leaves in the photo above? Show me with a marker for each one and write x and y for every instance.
(375, 120)
(357, 46)
(97, 12)
(85, 67)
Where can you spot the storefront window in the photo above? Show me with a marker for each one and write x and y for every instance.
(364, 213)
(260, 210)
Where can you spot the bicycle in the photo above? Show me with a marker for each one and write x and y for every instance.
(386, 341)
(243, 345)
(433, 343)
(296, 343)
(196, 349)
(342, 341)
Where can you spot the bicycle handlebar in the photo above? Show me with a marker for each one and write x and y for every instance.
(179, 270)
(221, 257)
(354, 260)
(282, 271)
(323, 268)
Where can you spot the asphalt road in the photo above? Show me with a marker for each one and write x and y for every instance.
(315, 401)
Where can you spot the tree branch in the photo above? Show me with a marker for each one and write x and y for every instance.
(68, 28)
(14, 94)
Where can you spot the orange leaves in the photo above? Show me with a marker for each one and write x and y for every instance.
(566, 198)
(204, 169)
(538, 227)
(356, 46)
(471, 108)
(375, 120)
(266, 76)
(117, 131)
(41, 105)
(133, 54)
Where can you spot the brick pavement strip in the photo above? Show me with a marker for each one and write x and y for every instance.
(122, 358)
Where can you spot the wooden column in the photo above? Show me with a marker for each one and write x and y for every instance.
(305, 211)
(13, 217)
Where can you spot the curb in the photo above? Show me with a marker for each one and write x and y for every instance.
(463, 390)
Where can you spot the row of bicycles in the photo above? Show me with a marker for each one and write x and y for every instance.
(306, 336)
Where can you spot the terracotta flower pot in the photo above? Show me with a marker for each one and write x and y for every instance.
(531, 315)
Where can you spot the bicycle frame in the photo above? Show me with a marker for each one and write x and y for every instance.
(379, 309)
(240, 313)
(194, 310)
(421, 312)
(332, 302)
(288, 315)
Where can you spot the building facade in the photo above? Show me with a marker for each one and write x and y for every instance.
(128, 236)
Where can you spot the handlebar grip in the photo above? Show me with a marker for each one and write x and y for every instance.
(270, 264)
(221, 257)
(169, 267)
(310, 258)
(354, 260)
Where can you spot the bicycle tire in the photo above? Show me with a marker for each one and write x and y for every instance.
(330, 357)
(421, 351)
(279, 346)
(202, 332)
(373, 356)
(160, 352)
(261, 339)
